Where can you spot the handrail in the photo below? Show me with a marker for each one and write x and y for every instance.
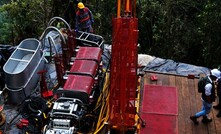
(52, 28)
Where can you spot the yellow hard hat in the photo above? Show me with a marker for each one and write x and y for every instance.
(80, 5)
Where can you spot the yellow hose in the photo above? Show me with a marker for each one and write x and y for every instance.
(104, 112)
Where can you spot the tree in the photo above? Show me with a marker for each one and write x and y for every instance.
(182, 30)
(24, 18)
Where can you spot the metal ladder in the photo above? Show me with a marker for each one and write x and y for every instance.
(90, 39)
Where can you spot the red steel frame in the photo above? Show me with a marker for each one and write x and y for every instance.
(123, 73)
(123, 82)
(62, 61)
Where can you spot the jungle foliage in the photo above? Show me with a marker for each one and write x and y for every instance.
(182, 30)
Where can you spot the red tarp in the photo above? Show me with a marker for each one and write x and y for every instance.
(159, 110)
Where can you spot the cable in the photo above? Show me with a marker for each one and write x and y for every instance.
(37, 104)
(104, 112)
(33, 110)
(20, 108)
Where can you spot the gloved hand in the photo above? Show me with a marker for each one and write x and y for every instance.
(76, 29)
(92, 21)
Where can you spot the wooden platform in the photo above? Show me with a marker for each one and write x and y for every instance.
(189, 103)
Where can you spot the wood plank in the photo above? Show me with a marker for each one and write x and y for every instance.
(217, 121)
(212, 126)
(192, 99)
(181, 114)
(186, 107)
(172, 80)
(145, 79)
(148, 80)
(163, 79)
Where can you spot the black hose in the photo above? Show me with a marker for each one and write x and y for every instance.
(37, 104)
(33, 110)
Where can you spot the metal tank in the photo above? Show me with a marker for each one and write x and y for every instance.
(21, 69)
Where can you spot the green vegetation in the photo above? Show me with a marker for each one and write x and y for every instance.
(23, 19)
(183, 30)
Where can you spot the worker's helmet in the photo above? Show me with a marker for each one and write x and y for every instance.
(80, 5)
(215, 72)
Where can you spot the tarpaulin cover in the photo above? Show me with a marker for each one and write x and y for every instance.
(170, 66)
(160, 109)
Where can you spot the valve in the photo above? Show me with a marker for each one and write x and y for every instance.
(45, 93)
(22, 123)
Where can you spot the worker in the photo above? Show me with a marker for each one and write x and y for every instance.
(208, 97)
(84, 19)
(218, 106)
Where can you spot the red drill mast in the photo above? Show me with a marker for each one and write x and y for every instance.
(123, 84)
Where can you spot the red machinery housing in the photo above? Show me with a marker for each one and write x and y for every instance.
(82, 75)
(78, 75)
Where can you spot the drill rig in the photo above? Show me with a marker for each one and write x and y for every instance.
(117, 100)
